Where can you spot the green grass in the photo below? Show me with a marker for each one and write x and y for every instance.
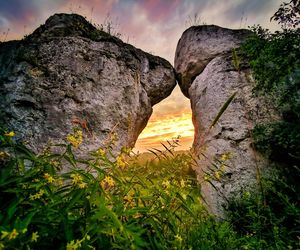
(101, 203)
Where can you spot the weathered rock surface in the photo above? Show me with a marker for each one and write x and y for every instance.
(227, 160)
(198, 45)
(68, 73)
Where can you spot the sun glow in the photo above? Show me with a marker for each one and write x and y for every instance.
(167, 128)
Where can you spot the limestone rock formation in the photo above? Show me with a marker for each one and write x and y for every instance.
(227, 160)
(198, 45)
(67, 73)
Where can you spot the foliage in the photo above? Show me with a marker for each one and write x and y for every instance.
(274, 59)
(269, 222)
(194, 20)
(288, 14)
(268, 217)
(100, 203)
(236, 60)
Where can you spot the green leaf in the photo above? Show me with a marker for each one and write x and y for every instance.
(222, 110)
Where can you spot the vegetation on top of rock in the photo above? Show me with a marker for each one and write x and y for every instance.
(70, 25)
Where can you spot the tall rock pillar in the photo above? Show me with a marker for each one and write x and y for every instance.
(208, 76)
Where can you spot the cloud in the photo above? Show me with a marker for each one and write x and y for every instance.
(152, 25)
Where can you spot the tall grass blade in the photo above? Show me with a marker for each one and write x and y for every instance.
(222, 110)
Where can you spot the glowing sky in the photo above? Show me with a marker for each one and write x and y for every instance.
(152, 25)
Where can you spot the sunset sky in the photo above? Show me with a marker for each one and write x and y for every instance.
(154, 26)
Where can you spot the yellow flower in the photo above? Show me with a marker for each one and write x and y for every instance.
(182, 183)
(34, 236)
(74, 245)
(37, 195)
(13, 234)
(225, 156)
(76, 138)
(166, 183)
(107, 182)
(121, 161)
(48, 177)
(178, 238)
(129, 200)
(76, 179)
(222, 168)
(4, 155)
(126, 150)
(206, 178)
(217, 175)
(82, 185)
(10, 134)
(100, 152)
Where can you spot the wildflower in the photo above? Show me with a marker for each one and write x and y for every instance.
(100, 152)
(225, 156)
(222, 168)
(178, 238)
(55, 164)
(75, 139)
(166, 183)
(76, 179)
(10, 134)
(4, 155)
(182, 183)
(34, 236)
(107, 182)
(121, 162)
(37, 195)
(129, 200)
(126, 150)
(13, 234)
(82, 185)
(113, 138)
(48, 177)
(206, 178)
(74, 245)
(217, 175)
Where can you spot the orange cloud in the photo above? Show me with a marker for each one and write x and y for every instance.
(161, 129)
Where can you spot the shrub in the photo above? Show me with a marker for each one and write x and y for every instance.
(100, 203)
(269, 220)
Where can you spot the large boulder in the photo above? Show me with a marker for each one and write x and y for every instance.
(227, 161)
(198, 45)
(67, 73)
